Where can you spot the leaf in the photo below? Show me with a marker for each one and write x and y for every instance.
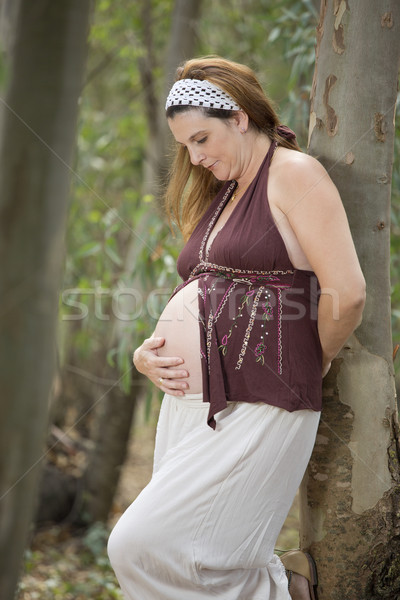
(94, 216)
(110, 357)
(111, 253)
(275, 33)
(88, 249)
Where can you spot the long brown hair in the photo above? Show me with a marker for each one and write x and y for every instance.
(192, 187)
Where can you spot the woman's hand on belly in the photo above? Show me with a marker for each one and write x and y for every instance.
(163, 371)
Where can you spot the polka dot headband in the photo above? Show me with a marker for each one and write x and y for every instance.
(193, 92)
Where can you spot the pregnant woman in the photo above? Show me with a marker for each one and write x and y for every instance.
(271, 290)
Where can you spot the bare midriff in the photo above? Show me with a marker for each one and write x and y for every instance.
(179, 326)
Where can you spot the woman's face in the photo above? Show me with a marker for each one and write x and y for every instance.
(213, 143)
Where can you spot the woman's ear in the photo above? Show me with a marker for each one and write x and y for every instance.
(241, 120)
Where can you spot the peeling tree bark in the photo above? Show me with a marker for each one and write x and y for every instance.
(350, 497)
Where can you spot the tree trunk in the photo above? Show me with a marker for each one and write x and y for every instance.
(114, 419)
(38, 120)
(182, 42)
(350, 502)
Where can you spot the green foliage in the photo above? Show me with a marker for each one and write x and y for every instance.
(95, 540)
(295, 28)
(277, 40)
(108, 210)
(67, 568)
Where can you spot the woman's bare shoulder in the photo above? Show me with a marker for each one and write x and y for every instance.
(294, 175)
(302, 190)
(296, 164)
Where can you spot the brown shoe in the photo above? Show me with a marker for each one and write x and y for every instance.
(302, 563)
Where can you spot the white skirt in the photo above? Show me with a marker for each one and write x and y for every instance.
(207, 523)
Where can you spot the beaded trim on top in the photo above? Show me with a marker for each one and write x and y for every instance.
(193, 92)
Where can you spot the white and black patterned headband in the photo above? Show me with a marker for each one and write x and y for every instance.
(193, 92)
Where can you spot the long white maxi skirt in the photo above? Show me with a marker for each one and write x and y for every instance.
(207, 523)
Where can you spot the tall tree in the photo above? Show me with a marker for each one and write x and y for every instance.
(115, 412)
(350, 498)
(182, 43)
(38, 119)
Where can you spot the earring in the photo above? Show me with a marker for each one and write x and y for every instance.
(242, 130)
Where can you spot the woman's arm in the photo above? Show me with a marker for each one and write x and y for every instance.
(157, 368)
(311, 203)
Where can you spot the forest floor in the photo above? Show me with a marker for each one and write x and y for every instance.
(62, 564)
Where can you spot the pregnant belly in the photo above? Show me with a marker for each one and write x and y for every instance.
(179, 325)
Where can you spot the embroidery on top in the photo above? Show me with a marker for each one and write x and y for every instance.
(258, 302)
(239, 274)
(244, 301)
(267, 315)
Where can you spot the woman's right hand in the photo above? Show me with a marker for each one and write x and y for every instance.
(163, 371)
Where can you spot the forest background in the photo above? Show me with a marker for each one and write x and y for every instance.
(120, 263)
